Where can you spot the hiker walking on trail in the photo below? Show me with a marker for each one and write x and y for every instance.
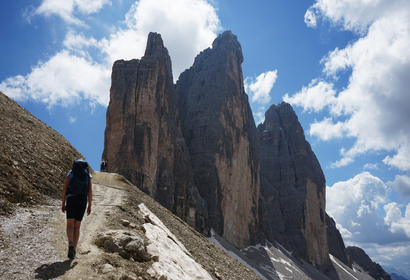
(104, 166)
(77, 191)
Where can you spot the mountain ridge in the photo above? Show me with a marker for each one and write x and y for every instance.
(165, 141)
(242, 199)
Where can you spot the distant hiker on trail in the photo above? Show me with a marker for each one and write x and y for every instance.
(104, 166)
(77, 190)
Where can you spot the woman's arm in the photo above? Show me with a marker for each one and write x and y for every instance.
(67, 182)
(90, 196)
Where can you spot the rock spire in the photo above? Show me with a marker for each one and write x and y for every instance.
(293, 186)
(221, 136)
(143, 139)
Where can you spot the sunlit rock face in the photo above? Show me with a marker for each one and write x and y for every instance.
(143, 139)
(293, 186)
(221, 136)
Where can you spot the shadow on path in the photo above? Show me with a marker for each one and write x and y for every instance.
(54, 270)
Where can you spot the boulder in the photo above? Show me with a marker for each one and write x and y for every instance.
(127, 244)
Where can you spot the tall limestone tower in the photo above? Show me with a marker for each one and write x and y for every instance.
(143, 139)
(293, 186)
(219, 129)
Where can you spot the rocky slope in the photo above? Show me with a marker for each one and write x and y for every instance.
(219, 129)
(143, 139)
(293, 186)
(34, 158)
(336, 245)
(359, 257)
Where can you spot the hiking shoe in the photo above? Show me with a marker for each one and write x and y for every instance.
(71, 252)
(75, 254)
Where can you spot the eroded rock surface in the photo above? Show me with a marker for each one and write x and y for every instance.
(143, 138)
(358, 256)
(336, 245)
(127, 244)
(34, 158)
(293, 186)
(221, 136)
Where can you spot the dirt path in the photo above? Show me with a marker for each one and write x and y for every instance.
(107, 199)
(33, 242)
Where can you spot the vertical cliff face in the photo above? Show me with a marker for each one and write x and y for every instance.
(358, 256)
(143, 138)
(221, 136)
(194, 148)
(293, 186)
(336, 245)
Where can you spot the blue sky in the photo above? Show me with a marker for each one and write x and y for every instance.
(343, 65)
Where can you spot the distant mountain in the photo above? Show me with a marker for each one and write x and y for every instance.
(401, 271)
(394, 276)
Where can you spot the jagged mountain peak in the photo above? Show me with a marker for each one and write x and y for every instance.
(228, 42)
(155, 45)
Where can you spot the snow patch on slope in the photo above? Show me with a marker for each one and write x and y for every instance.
(172, 260)
(336, 262)
(232, 254)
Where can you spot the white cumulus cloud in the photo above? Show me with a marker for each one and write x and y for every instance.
(186, 26)
(260, 88)
(67, 9)
(310, 18)
(401, 184)
(62, 80)
(356, 15)
(394, 218)
(315, 97)
(259, 92)
(355, 203)
(373, 106)
(81, 68)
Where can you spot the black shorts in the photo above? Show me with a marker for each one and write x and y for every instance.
(75, 207)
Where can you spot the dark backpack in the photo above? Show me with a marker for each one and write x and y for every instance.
(79, 183)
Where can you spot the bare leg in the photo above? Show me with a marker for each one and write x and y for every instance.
(70, 229)
(76, 233)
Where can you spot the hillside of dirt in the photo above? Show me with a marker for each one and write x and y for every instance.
(34, 158)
